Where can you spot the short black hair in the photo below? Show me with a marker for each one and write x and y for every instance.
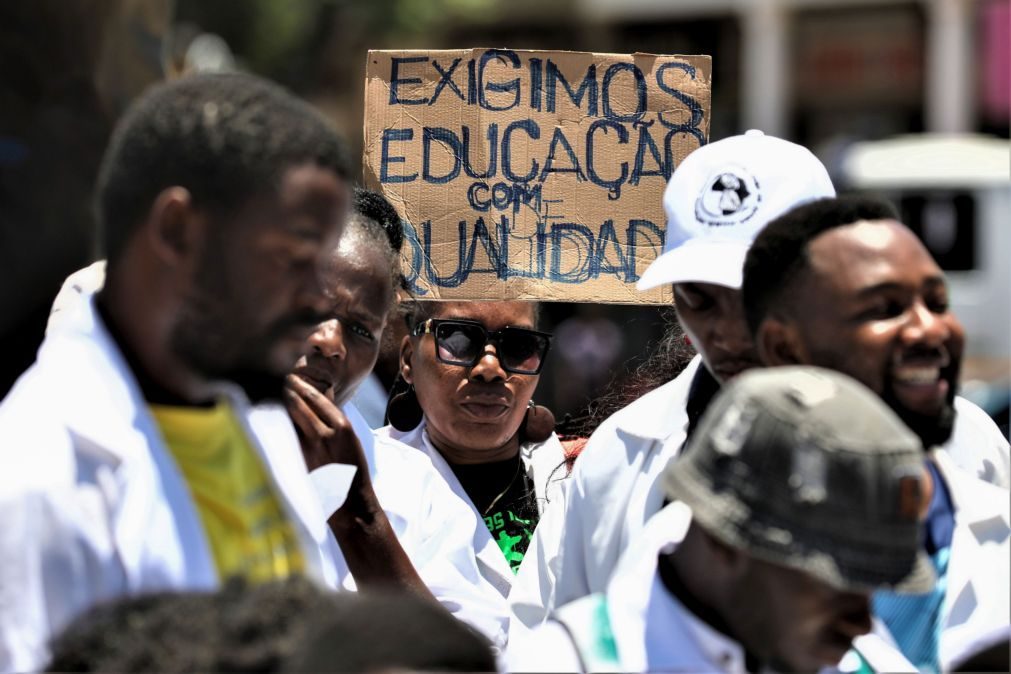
(121, 635)
(225, 137)
(383, 631)
(288, 625)
(780, 251)
(377, 208)
(377, 220)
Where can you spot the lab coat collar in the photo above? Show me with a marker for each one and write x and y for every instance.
(101, 404)
(981, 528)
(107, 414)
(488, 553)
(962, 487)
(540, 460)
(545, 464)
(635, 595)
(269, 426)
(661, 412)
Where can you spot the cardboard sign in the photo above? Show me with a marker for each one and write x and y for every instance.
(528, 174)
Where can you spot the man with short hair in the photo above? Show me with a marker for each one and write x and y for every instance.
(842, 284)
(798, 496)
(130, 457)
(396, 529)
(719, 197)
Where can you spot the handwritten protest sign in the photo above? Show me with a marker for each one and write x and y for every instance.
(531, 174)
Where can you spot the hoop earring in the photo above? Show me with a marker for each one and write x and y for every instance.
(538, 424)
(403, 411)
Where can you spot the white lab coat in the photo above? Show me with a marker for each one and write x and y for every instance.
(614, 489)
(978, 598)
(543, 463)
(434, 528)
(370, 400)
(92, 502)
(977, 446)
(650, 628)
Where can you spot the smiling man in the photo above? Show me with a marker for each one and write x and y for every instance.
(842, 284)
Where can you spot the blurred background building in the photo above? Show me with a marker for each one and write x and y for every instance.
(834, 75)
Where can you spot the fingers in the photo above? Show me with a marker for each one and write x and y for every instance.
(315, 437)
(321, 407)
(327, 433)
(305, 419)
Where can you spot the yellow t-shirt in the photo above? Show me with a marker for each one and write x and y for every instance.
(247, 529)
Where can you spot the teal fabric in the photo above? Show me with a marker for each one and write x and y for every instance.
(915, 620)
(588, 623)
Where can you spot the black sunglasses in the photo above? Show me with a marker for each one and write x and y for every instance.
(462, 342)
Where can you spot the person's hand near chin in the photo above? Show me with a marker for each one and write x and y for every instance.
(370, 546)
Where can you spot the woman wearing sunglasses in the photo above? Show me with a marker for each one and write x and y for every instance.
(472, 368)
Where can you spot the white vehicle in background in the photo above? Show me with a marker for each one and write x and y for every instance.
(955, 192)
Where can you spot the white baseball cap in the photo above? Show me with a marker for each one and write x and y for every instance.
(720, 198)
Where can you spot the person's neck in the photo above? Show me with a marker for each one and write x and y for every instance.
(674, 570)
(163, 380)
(466, 456)
(487, 483)
(671, 577)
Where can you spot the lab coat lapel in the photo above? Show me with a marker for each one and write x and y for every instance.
(488, 554)
(544, 462)
(979, 550)
(116, 436)
(960, 599)
(271, 433)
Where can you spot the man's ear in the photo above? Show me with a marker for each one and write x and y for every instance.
(174, 227)
(778, 343)
(406, 351)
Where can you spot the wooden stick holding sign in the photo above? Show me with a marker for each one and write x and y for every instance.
(531, 174)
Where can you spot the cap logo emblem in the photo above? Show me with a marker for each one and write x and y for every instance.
(733, 430)
(809, 474)
(729, 197)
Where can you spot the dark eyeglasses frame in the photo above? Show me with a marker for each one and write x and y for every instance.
(429, 327)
